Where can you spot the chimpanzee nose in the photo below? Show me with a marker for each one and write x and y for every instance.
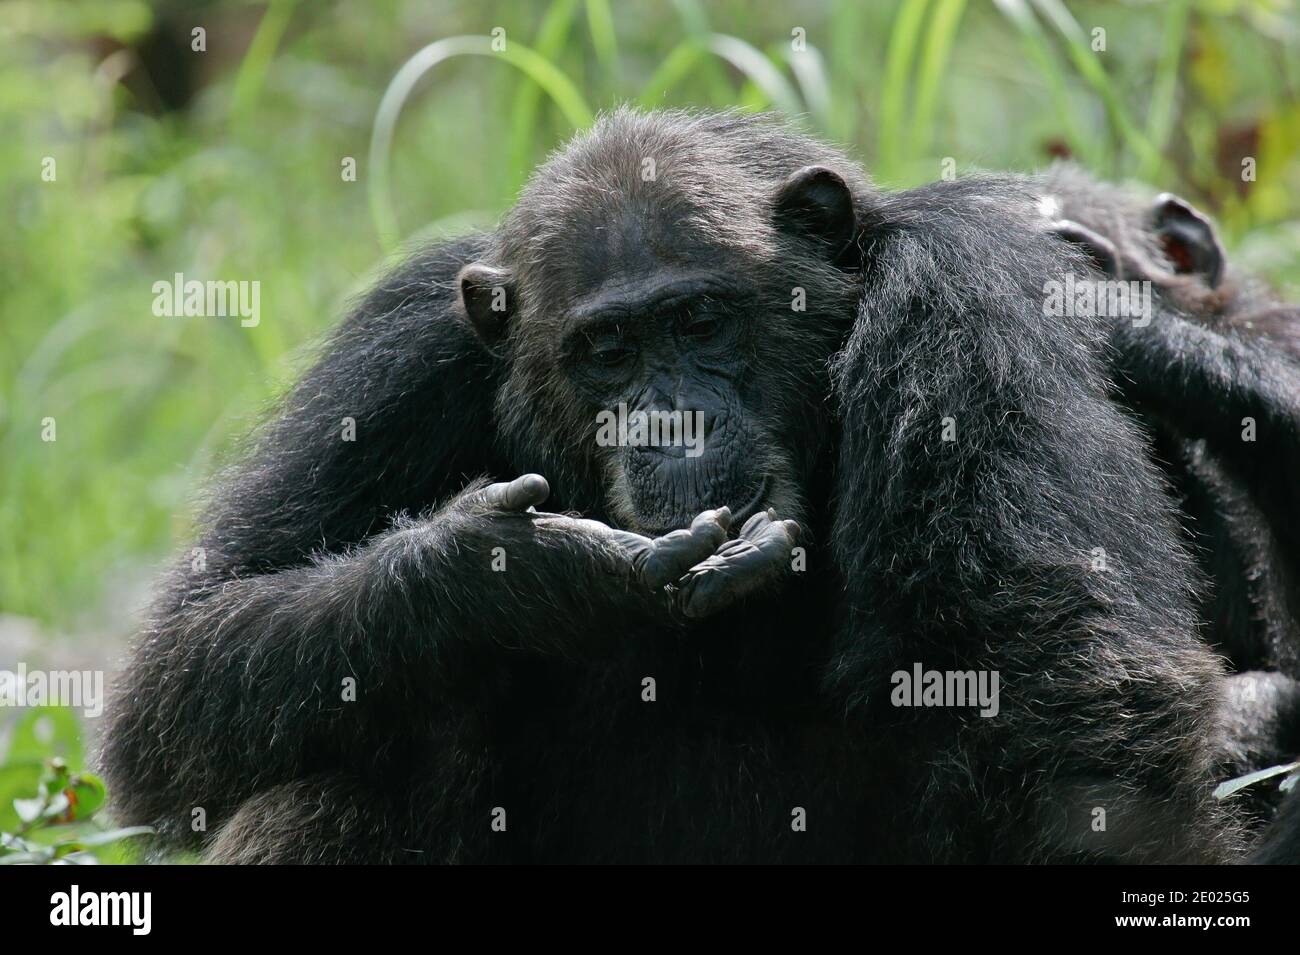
(687, 416)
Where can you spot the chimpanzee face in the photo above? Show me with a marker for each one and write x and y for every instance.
(664, 359)
(679, 429)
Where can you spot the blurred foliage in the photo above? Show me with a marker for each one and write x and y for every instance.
(48, 812)
(225, 164)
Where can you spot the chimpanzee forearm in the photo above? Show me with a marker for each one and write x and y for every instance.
(245, 683)
(1242, 396)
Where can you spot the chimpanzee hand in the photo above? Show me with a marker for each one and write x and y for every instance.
(709, 571)
(740, 566)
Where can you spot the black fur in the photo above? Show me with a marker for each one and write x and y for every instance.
(1219, 349)
(1216, 352)
(522, 690)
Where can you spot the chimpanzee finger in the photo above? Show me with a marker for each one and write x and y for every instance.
(672, 555)
(523, 492)
(756, 523)
(739, 568)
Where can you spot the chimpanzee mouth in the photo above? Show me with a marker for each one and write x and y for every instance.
(681, 514)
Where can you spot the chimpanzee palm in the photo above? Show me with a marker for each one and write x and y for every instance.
(665, 676)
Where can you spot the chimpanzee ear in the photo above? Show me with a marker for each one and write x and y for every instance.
(1187, 238)
(1099, 248)
(487, 296)
(815, 202)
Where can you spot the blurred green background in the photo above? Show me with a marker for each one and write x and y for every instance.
(226, 164)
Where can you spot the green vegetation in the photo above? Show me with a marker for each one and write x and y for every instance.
(47, 812)
(228, 164)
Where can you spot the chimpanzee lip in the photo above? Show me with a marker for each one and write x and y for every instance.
(738, 517)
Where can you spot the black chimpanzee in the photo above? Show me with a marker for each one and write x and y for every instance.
(907, 483)
(1215, 373)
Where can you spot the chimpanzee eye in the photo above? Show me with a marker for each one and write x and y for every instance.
(699, 323)
(702, 326)
(608, 349)
(610, 356)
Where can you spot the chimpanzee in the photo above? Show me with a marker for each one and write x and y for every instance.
(1215, 372)
(916, 593)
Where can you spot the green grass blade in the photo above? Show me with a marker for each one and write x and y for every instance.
(851, 69)
(1091, 150)
(256, 62)
(759, 70)
(1241, 782)
(1160, 113)
(696, 22)
(893, 93)
(934, 63)
(674, 68)
(549, 42)
(809, 68)
(604, 38)
(541, 70)
(1090, 68)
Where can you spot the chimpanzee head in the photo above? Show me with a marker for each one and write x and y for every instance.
(664, 299)
(1165, 240)
(1169, 242)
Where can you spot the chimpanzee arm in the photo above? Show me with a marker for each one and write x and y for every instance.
(996, 512)
(251, 682)
(315, 618)
(1241, 394)
(388, 421)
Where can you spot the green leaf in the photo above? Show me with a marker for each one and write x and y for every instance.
(55, 805)
(28, 858)
(110, 836)
(87, 794)
(29, 810)
(1241, 782)
(17, 780)
(55, 778)
(13, 843)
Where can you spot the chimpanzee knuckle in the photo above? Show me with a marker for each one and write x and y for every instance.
(477, 499)
(526, 491)
(512, 496)
(697, 597)
(734, 551)
(779, 537)
(667, 557)
(716, 519)
(755, 524)
(707, 536)
(714, 589)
